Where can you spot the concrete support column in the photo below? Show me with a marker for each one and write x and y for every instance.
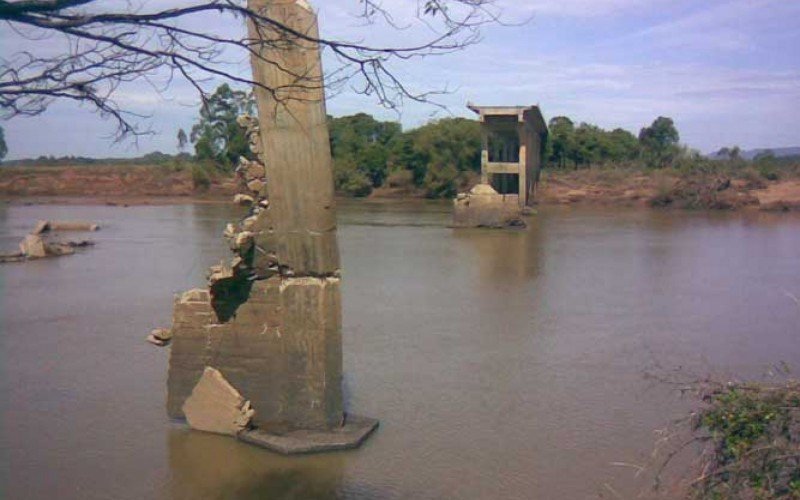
(523, 152)
(484, 154)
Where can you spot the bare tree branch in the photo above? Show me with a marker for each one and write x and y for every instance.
(104, 49)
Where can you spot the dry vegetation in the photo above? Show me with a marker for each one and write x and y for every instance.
(711, 185)
(744, 438)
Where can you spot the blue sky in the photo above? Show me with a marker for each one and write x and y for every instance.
(727, 72)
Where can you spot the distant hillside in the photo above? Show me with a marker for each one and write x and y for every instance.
(752, 153)
(154, 158)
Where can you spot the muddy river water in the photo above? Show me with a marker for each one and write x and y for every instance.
(502, 364)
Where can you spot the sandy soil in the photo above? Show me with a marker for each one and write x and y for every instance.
(668, 189)
(112, 184)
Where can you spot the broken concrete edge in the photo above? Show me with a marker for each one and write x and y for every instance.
(351, 435)
(44, 226)
(216, 406)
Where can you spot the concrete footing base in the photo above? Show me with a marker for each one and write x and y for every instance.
(355, 431)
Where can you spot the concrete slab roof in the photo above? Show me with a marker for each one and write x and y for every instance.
(529, 114)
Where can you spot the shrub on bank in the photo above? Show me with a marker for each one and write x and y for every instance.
(753, 436)
(201, 179)
(349, 180)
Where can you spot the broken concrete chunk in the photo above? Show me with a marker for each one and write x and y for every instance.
(254, 170)
(156, 341)
(243, 241)
(195, 295)
(72, 226)
(256, 185)
(230, 231)
(219, 273)
(216, 406)
(248, 122)
(160, 337)
(41, 226)
(33, 247)
(244, 200)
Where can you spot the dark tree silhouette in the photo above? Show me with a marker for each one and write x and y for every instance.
(101, 49)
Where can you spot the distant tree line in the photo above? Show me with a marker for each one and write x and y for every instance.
(585, 145)
(437, 159)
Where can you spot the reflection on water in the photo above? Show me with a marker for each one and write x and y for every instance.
(502, 364)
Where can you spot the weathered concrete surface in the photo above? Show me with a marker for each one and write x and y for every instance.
(270, 321)
(216, 406)
(484, 207)
(281, 350)
(352, 434)
(300, 229)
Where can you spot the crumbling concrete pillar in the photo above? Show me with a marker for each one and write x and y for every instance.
(301, 229)
(270, 322)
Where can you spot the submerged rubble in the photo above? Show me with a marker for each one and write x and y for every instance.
(35, 246)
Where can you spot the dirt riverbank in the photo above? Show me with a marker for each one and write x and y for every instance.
(149, 184)
(669, 189)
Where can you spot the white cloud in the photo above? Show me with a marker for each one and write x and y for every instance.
(576, 8)
(728, 26)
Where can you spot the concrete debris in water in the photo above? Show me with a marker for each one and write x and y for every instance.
(34, 246)
(485, 207)
(44, 226)
(216, 406)
(160, 337)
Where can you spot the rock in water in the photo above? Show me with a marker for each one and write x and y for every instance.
(41, 227)
(216, 406)
(33, 247)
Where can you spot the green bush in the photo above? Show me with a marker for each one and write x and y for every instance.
(754, 432)
(349, 180)
(441, 181)
(201, 179)
(769, 172)
(400, 178)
